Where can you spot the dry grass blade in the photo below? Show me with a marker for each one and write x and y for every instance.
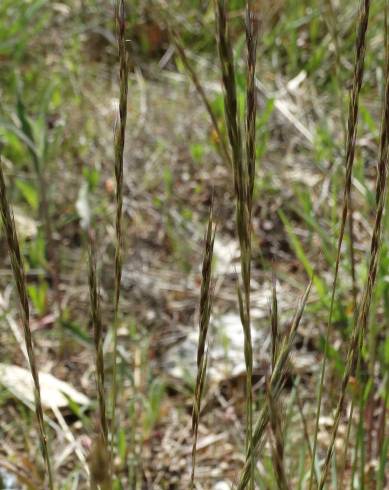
(349, 160)
(278, 444)
(98, 342)
(200, 90)
(202, 354)
(120, 130)
(275, 386)
(360, 325)
(21, 285)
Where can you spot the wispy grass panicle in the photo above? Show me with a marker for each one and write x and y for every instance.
(205, 314)
(98, 341)
(275, 384)
(21, 286)
(120, 131)
(360, 325)
(278, 441)
(352, 126)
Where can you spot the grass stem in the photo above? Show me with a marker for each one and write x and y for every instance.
(120, 131)
(349, 161)
(360, 326)
(21, 286)
(202, 352)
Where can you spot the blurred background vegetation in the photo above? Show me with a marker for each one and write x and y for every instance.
(58, 106)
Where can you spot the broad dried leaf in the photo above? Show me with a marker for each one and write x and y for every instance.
(54, 392)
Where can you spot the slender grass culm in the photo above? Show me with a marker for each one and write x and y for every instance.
(251, 113)
(275, 333)
(181, 51)
(202, 353)
(120, 130)
(274, 406)
(243, 178)
(21, 286)
(352, 126)
(100, 470)
(200, 90)
(275, 385)
(98, 340)
(360, 325)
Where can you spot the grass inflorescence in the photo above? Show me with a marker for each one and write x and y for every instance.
(206, 294)
(243, 177)
(352, 127)
(120, 132)
(360, 325)
(289, 120)
(275, 386)
(21, 286)
(98, 342)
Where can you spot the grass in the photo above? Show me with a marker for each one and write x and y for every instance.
(349, 162)
(102, 446)
(300, 194)
(21, 285)
(243, 180)
(120, 135)
(360, 327)
(202, 349)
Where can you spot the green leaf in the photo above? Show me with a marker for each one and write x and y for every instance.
(197, 152)
(29, 193)
(38, 295)
(77, 332)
